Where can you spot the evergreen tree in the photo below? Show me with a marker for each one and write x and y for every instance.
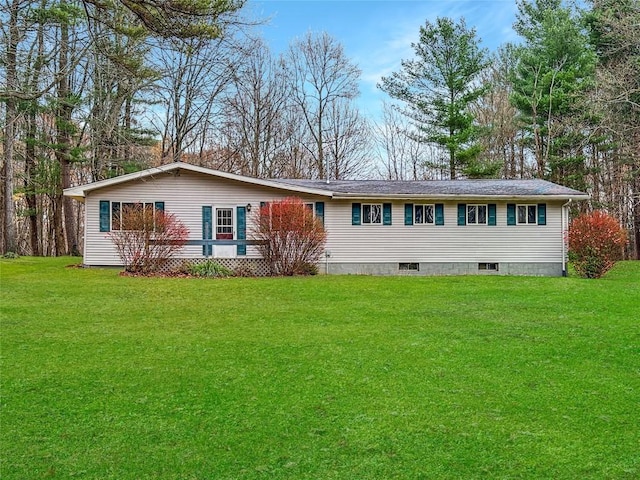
(438, 88)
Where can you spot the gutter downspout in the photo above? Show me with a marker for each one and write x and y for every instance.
(564, 232)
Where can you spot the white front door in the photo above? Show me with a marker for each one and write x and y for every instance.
(224, 230)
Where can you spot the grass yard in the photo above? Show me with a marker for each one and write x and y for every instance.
(352, 377)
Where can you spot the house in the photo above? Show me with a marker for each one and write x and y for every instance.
(511, 227)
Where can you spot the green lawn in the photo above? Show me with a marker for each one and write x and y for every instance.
(353, 377)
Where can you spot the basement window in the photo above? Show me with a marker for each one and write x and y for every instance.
(409, 267)
(488, 266)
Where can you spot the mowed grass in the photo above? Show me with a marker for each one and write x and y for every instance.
(340, 377)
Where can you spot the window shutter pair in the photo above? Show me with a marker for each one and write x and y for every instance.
(408, 214)
(511, 214)
(356, 214)
(491, 214)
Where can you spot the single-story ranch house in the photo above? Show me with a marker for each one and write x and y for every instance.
(511, 227)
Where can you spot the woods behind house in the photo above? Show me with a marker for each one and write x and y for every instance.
(91, 90)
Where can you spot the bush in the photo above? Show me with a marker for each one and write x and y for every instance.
(208, 268)
(596, 242)
(291, 238)
(150, 239)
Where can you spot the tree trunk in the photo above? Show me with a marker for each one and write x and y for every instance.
(11, 117)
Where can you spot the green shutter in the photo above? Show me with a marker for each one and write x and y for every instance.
(511, 213)
(386, 214)
(408, 213)
(439, 213)
(356, 213)
(105, 214)
(542, 214)
(320, 211)
(491, 214)
(241, 219)
(160, 206)
(207, 229)
(462, 214)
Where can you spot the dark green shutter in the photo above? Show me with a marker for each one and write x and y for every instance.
(386, 214)
(439, 213)
(542, 214)
(207, 230)
(241, 219)
(356, 212)
(462, 214)
(105, 214)
(511, 213)
(408, 213)
(320, 211)
(491, 213)
(160, 206)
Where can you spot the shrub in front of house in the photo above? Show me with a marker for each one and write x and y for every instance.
(596, 242)
(291, 238)
(148, 238)
(208, 268)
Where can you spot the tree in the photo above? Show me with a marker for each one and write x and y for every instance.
(555, 66)
(438, 88)
(291, 239)
(616, 101)
(321, 76)
(183, 19)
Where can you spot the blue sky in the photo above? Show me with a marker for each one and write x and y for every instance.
(377, 35)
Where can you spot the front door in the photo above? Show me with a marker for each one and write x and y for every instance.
(224, 219)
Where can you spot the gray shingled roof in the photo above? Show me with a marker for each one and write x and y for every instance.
(508, 188)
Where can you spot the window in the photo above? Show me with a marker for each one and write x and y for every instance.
(409, 267)
(372, 213)
(423, 214)
(488, 266)
(224, 224)
(117, 210)
(476, 214)
(527, 214)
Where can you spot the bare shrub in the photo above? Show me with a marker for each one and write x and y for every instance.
(148, 238)
(291, 238)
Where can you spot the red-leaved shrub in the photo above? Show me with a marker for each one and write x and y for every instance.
(291, 238)
(148, 238)
(596, 242)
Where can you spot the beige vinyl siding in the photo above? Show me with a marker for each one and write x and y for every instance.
(446, 243)
(184, 194)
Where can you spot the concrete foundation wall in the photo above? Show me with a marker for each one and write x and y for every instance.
(450, 268)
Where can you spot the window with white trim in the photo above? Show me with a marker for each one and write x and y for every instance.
(527, 214)
(424, 214)
(118, 210)
(476, 214)
(372, 213)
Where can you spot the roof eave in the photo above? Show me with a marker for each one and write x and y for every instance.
(395, 196)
